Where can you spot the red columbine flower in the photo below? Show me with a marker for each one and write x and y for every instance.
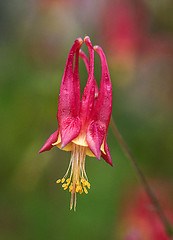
(139, 219)
(82, 123)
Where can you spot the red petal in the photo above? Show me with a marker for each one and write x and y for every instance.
(52, 139)
(96, 133)
(107, 156)
(103, 107)
(68, 106)
(85, 59)
(95, 137)
(69, 130)
(87, 102)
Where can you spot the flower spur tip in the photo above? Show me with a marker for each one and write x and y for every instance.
(88, 42)
(86, 38)
(96, 48)
(80, 40)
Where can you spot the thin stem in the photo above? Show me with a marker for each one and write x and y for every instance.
(149, 191)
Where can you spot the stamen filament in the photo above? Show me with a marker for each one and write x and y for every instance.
(78, 180)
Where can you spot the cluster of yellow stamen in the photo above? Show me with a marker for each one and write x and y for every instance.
(79, 187)
(77, 182)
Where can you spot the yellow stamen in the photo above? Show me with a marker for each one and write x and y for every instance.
(81, 191)
(88, 184)
(58, 181)
(78, 188)
(77, 180)
(70, 188)
(63, 180)
(85, 190)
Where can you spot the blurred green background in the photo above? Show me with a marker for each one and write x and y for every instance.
(35, 38)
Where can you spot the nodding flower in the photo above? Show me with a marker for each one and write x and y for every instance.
(83, 123)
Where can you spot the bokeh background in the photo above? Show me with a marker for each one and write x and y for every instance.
(35, 38)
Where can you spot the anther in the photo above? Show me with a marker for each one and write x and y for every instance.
(58, 181)
(78, 188)
(85, 190)
(71, 187)
(82, 180)
(88, 184)
(68, 183)
(63, 180)
(81, 191)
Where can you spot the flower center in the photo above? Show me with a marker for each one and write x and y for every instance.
(76, 181)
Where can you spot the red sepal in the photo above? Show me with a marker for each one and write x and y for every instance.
(95, 137)
(69, 130)
(48, 144)
(107, 156)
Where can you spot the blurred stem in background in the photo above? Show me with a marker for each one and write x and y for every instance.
(149, 191)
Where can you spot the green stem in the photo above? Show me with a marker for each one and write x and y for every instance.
(149, 191)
